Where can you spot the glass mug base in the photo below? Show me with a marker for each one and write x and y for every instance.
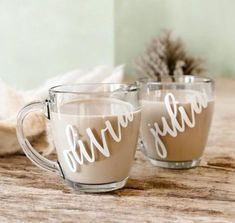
(175, 164)
(96, 188)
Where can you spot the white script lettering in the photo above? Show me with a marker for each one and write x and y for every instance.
(77, 145)
(199, 101)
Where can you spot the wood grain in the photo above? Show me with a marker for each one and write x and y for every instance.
(202, 194)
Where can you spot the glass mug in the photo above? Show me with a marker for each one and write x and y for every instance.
(175, 120)
(95, 130)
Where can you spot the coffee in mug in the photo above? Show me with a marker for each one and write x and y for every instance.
(176, 118)
(95, 130)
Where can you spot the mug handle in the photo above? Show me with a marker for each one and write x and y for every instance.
(29, 151)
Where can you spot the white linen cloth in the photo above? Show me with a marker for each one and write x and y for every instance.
(12, 100)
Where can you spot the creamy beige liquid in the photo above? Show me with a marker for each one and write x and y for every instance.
(92, 113)
(187, 145)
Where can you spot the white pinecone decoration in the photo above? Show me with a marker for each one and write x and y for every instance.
(164, 56)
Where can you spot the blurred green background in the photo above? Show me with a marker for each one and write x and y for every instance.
(40, 39)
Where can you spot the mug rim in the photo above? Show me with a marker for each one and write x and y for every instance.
(191, 78)
(124, 88)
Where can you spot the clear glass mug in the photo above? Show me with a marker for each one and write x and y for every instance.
(95, 130)
(175, 120)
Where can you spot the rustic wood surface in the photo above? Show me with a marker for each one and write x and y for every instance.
(202, 194)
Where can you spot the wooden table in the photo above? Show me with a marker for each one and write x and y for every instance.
(202, 194)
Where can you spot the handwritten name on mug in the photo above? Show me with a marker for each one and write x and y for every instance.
(198, 102)
(76, 145)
